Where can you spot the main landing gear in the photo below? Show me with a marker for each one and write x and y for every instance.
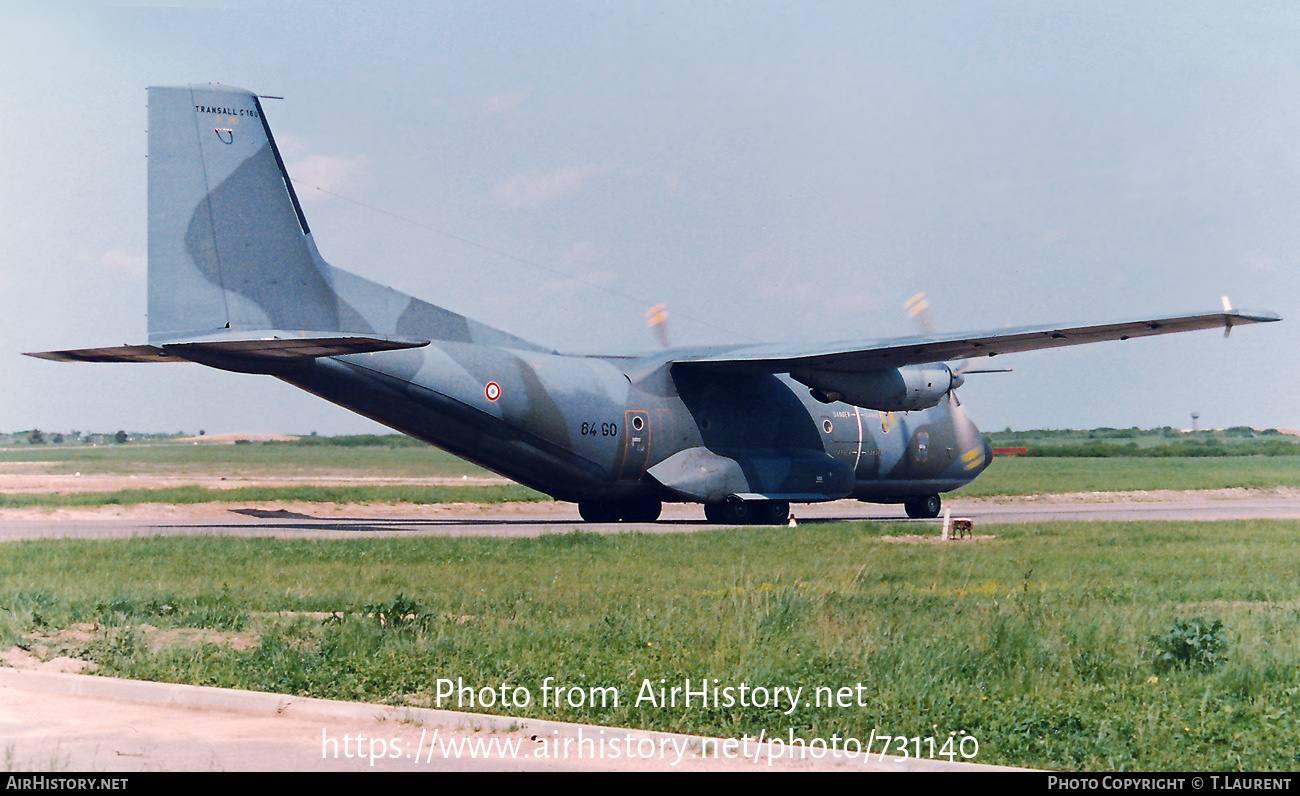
(634, 510)
(923, 508)
(735, 511)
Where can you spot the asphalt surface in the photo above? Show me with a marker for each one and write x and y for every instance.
(536, 519)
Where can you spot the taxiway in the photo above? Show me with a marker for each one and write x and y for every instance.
(533, 519)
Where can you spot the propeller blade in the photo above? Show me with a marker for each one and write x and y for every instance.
(918, 307)
(657, 319)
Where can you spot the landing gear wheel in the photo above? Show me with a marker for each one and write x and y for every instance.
(925, 508)
(733, 511)
(646, 510)
(771, 512)
(635, 510)
(598, 510)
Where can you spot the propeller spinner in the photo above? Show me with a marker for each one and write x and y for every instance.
(918, 307)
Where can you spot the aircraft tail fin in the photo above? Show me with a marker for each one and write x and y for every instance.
(231, 257)
(229, 246)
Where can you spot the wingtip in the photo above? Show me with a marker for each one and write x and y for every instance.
(1253, 316)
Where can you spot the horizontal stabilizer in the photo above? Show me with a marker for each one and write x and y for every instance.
(280, 345)
(269, 347)
(122, 353)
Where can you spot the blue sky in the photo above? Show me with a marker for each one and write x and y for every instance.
(771, 171)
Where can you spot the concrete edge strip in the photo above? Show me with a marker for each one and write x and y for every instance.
(259, 703)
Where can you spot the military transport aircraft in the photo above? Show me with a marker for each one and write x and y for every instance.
(236, 283)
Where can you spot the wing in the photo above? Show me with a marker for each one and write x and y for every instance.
(873, 355)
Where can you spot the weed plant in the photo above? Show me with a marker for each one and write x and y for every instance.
(1191, 643)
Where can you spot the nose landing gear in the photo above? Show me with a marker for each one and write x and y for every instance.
(923, 508)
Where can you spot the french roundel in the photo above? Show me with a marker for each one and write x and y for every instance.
(492, 391)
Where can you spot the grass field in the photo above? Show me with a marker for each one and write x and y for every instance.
(1008, 475)
(258, 460)
(1157, 646)
(413, 494)
(1016, 475)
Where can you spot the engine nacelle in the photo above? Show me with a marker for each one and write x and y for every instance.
(896, 390)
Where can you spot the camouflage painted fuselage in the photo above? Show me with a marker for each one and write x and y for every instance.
(582, 428)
